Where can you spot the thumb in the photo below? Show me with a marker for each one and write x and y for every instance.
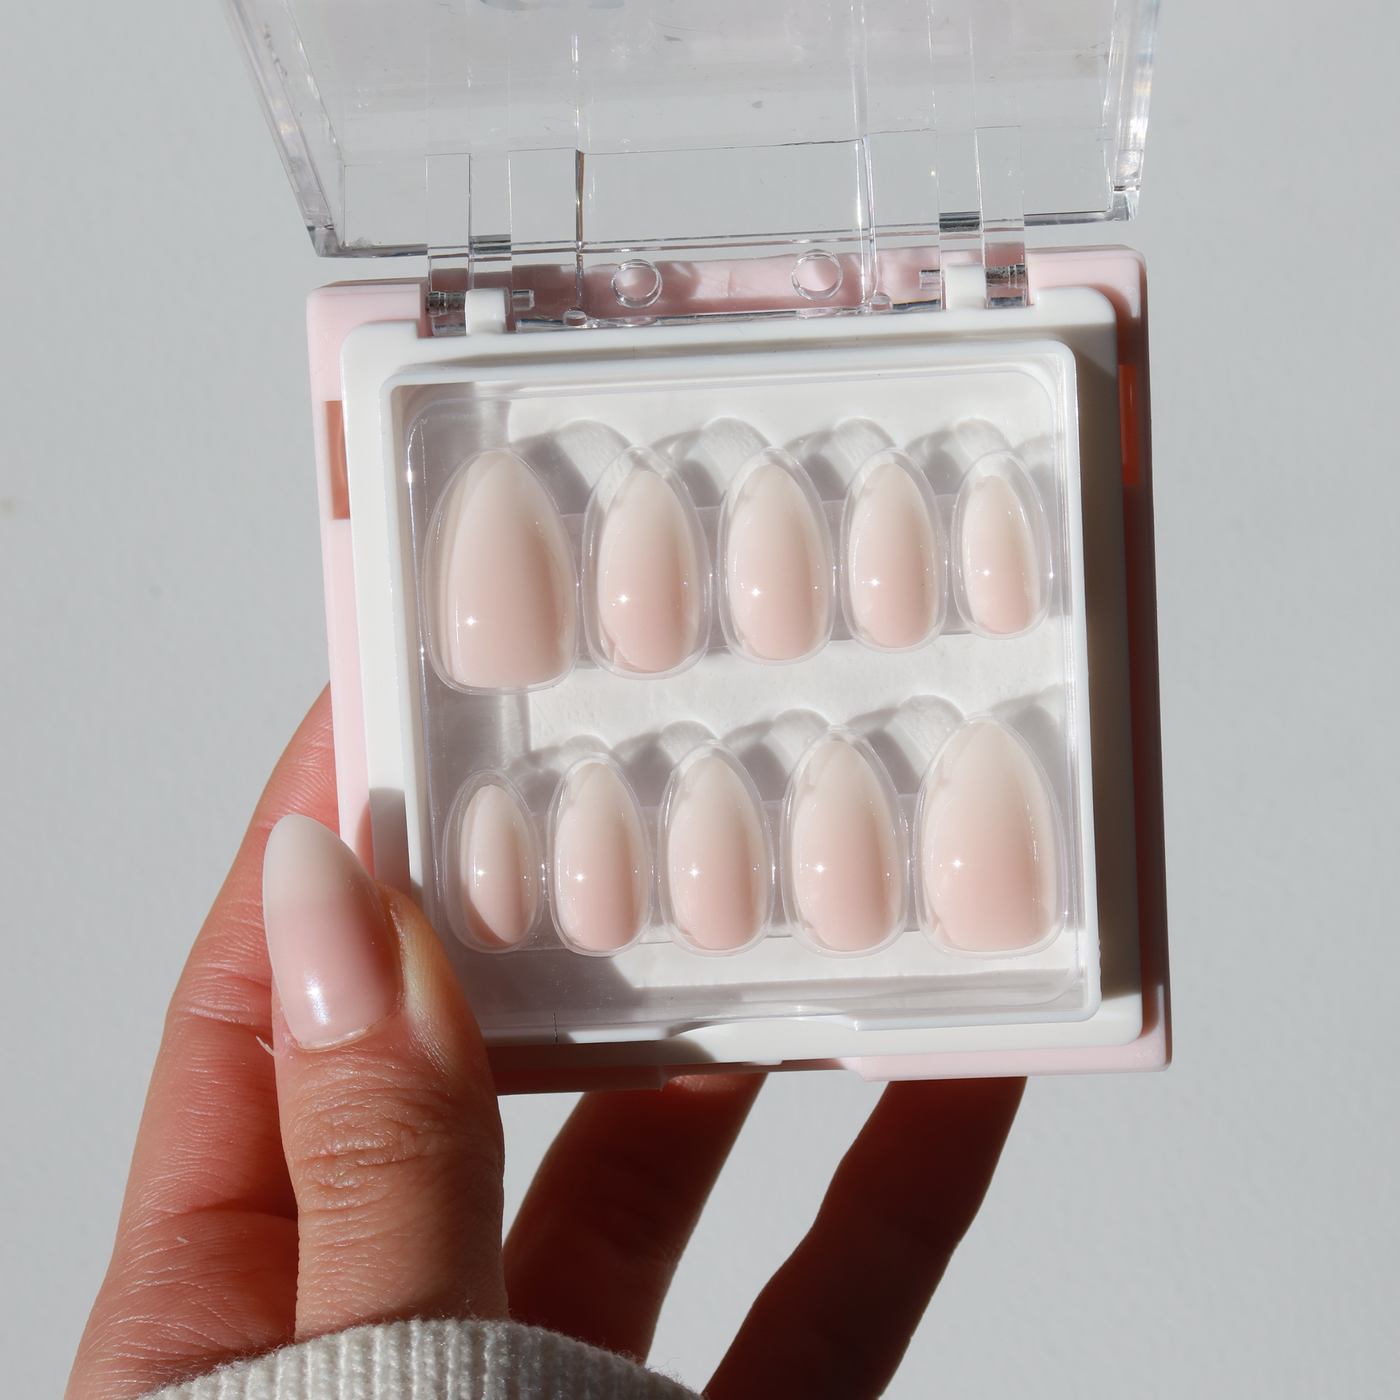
(388, 1111)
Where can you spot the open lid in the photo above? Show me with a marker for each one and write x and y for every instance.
(580, 152)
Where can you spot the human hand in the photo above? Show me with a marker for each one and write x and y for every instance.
(284, 1195)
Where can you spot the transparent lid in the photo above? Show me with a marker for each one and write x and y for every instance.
(511, 134)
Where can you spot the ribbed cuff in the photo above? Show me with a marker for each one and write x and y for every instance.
(433, 1361)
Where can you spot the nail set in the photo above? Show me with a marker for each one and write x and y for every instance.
(748, 693)
(503, 591)
(984, 873)
(988, 836)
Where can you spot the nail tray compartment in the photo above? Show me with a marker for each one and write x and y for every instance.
(968, 429)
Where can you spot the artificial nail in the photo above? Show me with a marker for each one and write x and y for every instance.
(1000, 562)
(989, 844)
(498, 868)
(501, 579)
(846, 858)
(894, 557)
(650, 588)
(601, 861)
(334, 956)
(777, 563)
(719, 870)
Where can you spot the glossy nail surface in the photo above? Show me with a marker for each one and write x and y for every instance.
(1001, 568)
(778, 567)
(718, 865)
(989, 844)
(498, 868)
(602, 861)
(650, 589)
(847, 870)
(894, 559)
(334, 955)
(502, 582)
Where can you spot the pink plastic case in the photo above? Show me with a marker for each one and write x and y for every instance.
(530, 1046)
(738, 545)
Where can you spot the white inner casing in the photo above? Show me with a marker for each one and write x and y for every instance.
(949, 382)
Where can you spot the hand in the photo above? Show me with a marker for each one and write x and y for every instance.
(280, 1191)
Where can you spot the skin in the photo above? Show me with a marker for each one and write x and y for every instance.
(276, 1196)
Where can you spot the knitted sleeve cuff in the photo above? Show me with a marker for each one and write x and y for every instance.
(433, 1361)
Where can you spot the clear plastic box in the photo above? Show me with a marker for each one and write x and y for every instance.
(606, 605)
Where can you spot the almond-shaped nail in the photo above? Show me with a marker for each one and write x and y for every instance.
(778, 561)
(848, 875)
(990, 844)
(650, 588)
(500, 579)
(1002, 529)
(334, 956)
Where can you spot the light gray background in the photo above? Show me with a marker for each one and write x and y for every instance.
(1228, 1228)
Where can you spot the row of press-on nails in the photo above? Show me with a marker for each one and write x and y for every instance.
(989, 857)
(501, 605)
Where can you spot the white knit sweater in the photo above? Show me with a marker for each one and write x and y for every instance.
(433, 1361)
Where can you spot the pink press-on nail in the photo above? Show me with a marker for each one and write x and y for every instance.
(496, 863)
(601, 859)
(990, 845)
(777, 561)
(716, 855)
(894, 555)
(499, 579)
(650, 572)
(847, 874)
(334, 956)
(1000, 527)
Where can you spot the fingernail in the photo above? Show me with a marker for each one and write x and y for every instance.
(334, 956)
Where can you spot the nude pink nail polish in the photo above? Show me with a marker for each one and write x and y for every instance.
(845, 849)
(601, 860)
(334, 956)
(778, 562)
(989, 844)
(894, 556)
(499, 580)
(718, 865)
(1003, 583)
(497, 868)
(650, 584)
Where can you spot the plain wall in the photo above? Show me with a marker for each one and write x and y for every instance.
(1228, 1228)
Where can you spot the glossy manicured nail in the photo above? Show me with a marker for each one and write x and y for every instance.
(847, 869)
(500, 579)
(989, 844)
(894, 559)
(602, 860)
(1001, 567)
(719, 870)
(777, 563)
(650, 587)
(334, 956)
(498, 868)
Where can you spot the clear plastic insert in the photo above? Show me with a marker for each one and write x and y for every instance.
(903, 709)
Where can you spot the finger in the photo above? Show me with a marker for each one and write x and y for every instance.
(607, 1217)
(388, 1110)
(836, 1318)
(205, 1257)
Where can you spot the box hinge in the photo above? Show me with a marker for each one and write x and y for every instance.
(985, 245)
(1000, 192)
(550, 231)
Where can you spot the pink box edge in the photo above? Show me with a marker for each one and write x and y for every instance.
(1119, 274)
